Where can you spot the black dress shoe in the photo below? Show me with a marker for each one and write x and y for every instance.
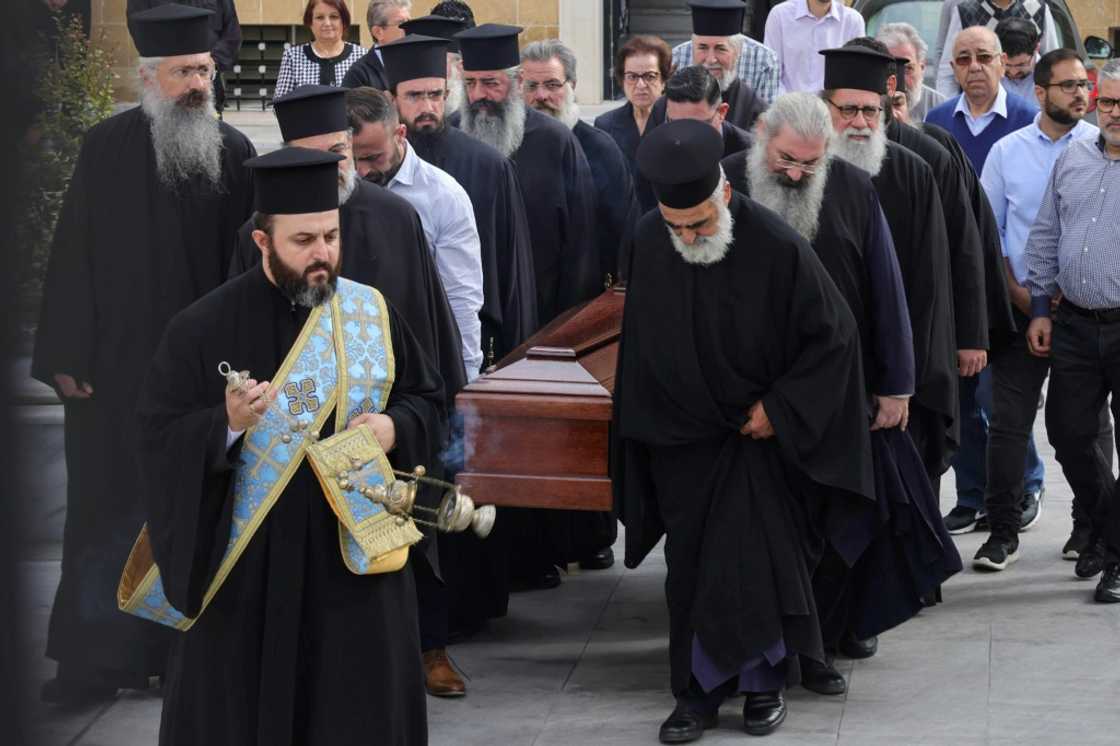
(855, 649)
(598, 561)
(763, 712)
(546, 579)
(1108, 590)
(822, 678)
(1091, 561)
(685, 725)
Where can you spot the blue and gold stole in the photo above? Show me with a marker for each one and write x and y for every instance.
(342, 361)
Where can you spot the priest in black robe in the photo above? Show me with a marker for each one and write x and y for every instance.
(833, 204)
(148, 225)
(509, 307)
(715, 23)
(290, 646)
(555, 178)
(854, 86)
(740, 425)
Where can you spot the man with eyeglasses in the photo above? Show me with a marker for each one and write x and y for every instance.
(147, 227)
(692, 93)
(1015, 177)
(958, 16)
(1073, 259)
(384, 18)
(559, 194)
(833, 204)
(855, 82)
(1019, 39)
(985, 111)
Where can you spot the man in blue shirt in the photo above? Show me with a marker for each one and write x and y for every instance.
(1073, 253)
(1014, 178)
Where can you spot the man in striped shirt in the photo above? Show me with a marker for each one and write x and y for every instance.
(1073, 253)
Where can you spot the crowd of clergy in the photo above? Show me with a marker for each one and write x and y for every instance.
(840, 283)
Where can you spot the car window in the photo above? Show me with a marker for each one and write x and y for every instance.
(924, 15)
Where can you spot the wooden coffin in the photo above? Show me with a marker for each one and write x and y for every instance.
(536, 427)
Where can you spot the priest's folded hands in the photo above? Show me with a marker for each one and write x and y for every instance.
(382, 427)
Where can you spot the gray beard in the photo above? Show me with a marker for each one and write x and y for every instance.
(800, 207)
(706, 250)
(914, 98)
(346, 186)
(569, 115)
(868, 154)
(503, 131)
(727, 78)
(187, 141)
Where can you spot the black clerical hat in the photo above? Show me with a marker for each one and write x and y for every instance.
(171, 30)
(681, 159)
(491, 46)
(294, 181)
(413, 57)
(717, 17)
(441, 27)
(900, 64)
(856, 67)
(311, 110)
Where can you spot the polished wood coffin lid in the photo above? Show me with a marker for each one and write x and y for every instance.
(537, 425)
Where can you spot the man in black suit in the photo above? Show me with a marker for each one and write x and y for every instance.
(384, 18)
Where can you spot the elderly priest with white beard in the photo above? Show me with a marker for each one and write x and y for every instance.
(148, 226)
(296, 618)
(740, 433)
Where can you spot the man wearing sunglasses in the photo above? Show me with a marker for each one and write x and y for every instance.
(1073, 254)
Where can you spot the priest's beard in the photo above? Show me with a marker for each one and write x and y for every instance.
(568, 113)
(185, 135)
(867, 154)
(454, 90)
(725, 78)
(425, 132)
(798, 202)
(347, 183)
(294, 285)
(707, 250)
(498, 124)
(914, 98)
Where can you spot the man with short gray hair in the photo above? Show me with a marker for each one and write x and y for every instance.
(384, 18)
(904, 42)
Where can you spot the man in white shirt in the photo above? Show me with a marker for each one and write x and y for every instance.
(382, 155)
(798, 29)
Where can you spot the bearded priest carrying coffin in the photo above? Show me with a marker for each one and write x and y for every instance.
(290, 633)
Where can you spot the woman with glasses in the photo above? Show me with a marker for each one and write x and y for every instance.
(327, 57)
(641, 67)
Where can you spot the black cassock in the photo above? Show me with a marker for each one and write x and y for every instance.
(700, 345)
(616, 206)
(1001, 319)
(909, 198)
(736, 137)
(743, 103)
(509, 305)
(909, 553)
(367, 71)
(128, 254)
(966, 252)
(293, 648)
(620, 125)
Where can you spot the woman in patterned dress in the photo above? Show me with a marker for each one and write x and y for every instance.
(324, 60)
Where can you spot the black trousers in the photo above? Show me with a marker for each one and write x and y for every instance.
(1017, 378)
(1084, 370)
(431, 602)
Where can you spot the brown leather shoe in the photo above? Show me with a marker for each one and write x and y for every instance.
(440, 678)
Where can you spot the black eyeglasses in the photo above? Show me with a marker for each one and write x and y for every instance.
(1069, 86)
(849, 112)
(1107, 104)
(647, 78)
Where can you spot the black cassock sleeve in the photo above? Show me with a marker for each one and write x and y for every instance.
(185, 468)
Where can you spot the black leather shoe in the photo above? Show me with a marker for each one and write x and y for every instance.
(855, 649)
(763, 712)
(1091, 561)
(598, 561)
(685, 725)
(546, 579)
(1108, 590)
(822, 678)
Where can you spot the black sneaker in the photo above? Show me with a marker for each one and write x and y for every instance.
(1108, 590)
(1078, 541)
(962, 520)
(1032, 508)
(1091, 561)
(996, 553)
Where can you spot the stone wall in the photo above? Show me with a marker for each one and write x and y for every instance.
(1094, 17)
(539, 17)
